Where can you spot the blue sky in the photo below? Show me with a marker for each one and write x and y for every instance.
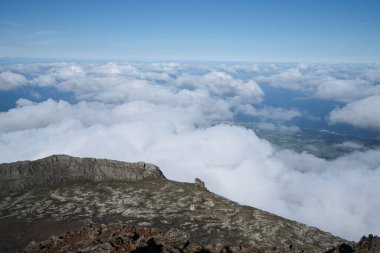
(338, 31)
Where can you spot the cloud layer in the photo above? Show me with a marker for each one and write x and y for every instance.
(362, 113)
(337, 82)
(165, 114)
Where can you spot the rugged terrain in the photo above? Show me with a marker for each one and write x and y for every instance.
(60, 193)
(118, 238)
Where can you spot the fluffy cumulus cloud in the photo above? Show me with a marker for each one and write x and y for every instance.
(220, 84)
(10, 80)
(165, 114)
(349, 145)
(238, 68)
(343, 83)
(356, 86)
(362, 113)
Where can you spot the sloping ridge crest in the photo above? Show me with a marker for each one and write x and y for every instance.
(61, 169)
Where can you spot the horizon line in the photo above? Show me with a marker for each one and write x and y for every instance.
(63, 59)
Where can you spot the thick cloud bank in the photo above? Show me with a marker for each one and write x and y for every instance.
(166, 113)
(362, 113)
(327, 81)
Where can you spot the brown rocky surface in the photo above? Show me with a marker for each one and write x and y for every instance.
(62, 193)
(119, 238)
(116, 238)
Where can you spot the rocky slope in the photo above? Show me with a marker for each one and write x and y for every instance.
(118, 238)
(61, 193)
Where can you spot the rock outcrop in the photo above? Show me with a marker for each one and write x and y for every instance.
(60, 169)
(370, 244)
(61, 193)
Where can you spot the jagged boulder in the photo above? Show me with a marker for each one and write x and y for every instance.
(367, 244)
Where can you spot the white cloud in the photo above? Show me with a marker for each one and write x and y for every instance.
(276, 127)
(222, 85)
(21, 103)
(330, 82)
(270, 113)
(373, 74)
(251, 68)
(23, 68)
(166, 83)
(363, 113)
(350, 145)
(50, 112)
(44, 80)
(344, 90)
(10, 80)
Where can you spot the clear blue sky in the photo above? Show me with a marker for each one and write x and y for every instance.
(282, 30)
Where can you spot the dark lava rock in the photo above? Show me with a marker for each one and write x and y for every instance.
(345, 248)
(370, 244)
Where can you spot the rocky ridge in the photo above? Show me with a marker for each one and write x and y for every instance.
(59, 169)
(62, 193)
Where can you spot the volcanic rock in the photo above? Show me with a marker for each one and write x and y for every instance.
(62, 193)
